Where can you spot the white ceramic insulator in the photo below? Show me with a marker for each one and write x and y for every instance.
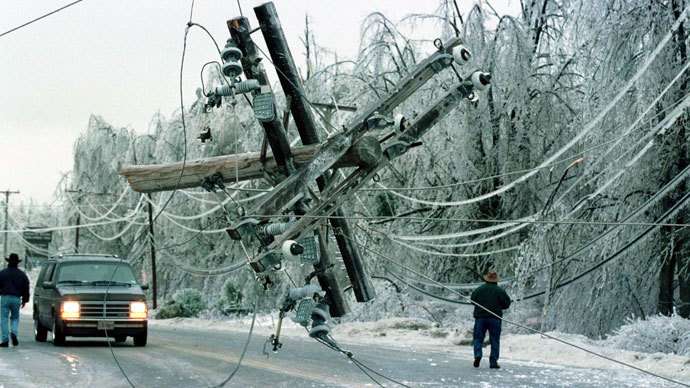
(398, 123)
(461, 55)
(477, 80)
(285, 249)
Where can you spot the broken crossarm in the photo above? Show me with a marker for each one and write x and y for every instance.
(242, 167)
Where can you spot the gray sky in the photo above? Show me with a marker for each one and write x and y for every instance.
(121, 60)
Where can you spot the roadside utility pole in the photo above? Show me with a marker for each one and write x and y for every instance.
(76, 237)
(153, 254)
(7, 206)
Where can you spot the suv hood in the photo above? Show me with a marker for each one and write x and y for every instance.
(124, 293)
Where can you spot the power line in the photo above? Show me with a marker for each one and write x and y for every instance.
(40, 17)
(478, 220)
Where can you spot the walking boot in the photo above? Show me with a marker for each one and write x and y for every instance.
(4, 344)
(15, 341)
(476, 362)
(495, 366)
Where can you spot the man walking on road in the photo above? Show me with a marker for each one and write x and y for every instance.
(14, 292)
(493, 298)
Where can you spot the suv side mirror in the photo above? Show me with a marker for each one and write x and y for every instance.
(144, 286)
(48, 285)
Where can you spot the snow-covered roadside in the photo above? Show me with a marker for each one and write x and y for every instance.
(415, 333)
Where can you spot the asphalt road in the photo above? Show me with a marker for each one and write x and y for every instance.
(184, 357)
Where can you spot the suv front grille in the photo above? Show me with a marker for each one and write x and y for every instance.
(113, 310)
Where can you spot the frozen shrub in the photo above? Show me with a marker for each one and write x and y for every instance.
(231, 299)
(655, 334)
(186, 302)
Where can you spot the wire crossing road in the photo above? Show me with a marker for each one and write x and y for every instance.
(187, 357)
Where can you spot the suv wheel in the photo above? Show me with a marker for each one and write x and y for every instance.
(58, 335)
(140, 340)
(40, 332)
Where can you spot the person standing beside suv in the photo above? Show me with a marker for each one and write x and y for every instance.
(14, 293)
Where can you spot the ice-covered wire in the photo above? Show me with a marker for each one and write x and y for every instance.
(210, 211)
(359, 364)
(246, 345)
(583, 248)
(477, 220)
(406, 268)
(101, 216)
(660, 126)
(40, 17)
(657, 129)
(66, 227)
(447, 254)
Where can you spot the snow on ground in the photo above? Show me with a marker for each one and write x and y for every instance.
(421, 334)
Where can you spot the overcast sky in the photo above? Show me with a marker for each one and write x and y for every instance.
(121, 60)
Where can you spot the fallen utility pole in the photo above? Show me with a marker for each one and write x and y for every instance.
(365, 152)
(7, 206)
(242, 167)
(290, 81)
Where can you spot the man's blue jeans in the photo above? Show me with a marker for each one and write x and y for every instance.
(9, 310)
(481, 325)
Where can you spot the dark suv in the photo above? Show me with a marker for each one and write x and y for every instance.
(69, 299)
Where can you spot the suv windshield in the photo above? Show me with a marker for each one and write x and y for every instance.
(96, 273)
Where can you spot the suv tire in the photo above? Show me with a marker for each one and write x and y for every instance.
(40, 332)
(140, 340)
(58, 335)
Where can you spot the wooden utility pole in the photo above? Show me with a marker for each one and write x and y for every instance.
(7, 206)
(242, 167)
(153, 254)
(76, 236)
(304, 120)
(240, 33)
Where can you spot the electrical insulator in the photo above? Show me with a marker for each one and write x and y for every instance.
(480, 80)
(319, 328)
(461, 55)
(231, 56)
(291, 250)
(400, 123)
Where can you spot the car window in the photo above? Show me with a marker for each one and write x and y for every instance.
(96, 272)
(49, 273)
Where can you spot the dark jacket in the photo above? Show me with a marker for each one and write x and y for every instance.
(491, 296)
(14, 282)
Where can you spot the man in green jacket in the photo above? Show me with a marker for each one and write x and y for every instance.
(489, 302)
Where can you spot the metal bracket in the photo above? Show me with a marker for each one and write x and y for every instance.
(264, 108)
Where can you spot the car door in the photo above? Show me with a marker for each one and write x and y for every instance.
(44, 307)
(38, 290)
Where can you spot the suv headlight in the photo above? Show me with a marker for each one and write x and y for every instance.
(69, 309)
(137, 310)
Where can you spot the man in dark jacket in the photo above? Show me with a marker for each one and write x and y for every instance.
(489, 302)
(14, 292)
